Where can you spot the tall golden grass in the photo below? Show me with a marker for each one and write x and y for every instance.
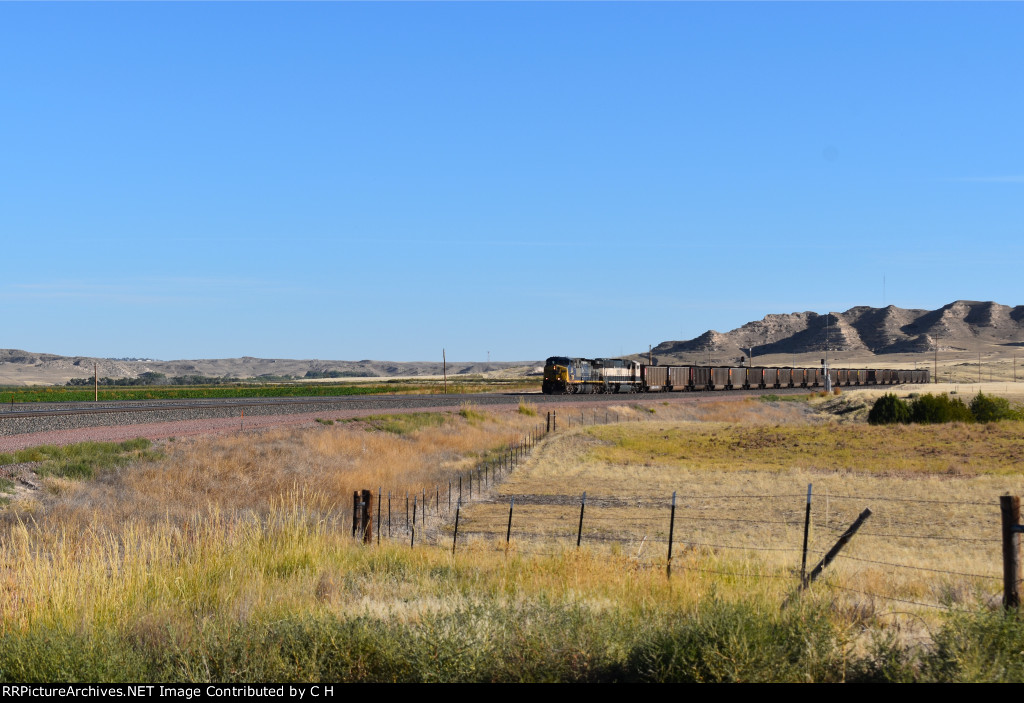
(252, 472)
(742, 494)
(176, 557)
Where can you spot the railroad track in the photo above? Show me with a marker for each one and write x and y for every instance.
(60, 416)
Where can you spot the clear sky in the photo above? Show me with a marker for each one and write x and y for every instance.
(351, 181)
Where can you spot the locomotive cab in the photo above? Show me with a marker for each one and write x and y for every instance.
(565, 375)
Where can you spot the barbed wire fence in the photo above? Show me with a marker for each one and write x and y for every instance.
(710, 534)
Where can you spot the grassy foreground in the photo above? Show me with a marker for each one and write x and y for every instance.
(228, 559)
(237, 601)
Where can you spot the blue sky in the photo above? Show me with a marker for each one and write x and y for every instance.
(350, 181)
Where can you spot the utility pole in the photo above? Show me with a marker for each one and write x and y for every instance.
(444, 370)
(96, 381)
(935, 365)
(828, 378)
(827, 318)
(750, 351)
(650, 358)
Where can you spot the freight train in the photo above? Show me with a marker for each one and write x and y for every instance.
(563, 374)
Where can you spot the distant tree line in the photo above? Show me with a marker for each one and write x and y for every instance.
(337, 374)
(154, 378)
(940, 408)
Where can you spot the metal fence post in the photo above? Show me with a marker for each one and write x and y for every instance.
(579, 532)
(671, 529)
(807, 529)
(508, 531)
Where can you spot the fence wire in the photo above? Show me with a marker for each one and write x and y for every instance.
(646, 520)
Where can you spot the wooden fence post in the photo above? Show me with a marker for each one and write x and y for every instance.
(362, 515)
(827, 559)
(1009, 506)
(355, 512)
(367, 516)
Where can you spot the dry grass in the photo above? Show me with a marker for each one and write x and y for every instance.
(227, 531)
(254, 471)
(955, 449)
(742, 495)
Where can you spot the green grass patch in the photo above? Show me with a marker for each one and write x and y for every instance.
(773, 398)
(325, 422)
(85, 459)
(406, 423)
(471, 414)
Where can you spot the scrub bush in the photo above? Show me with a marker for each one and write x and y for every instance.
(889, 410)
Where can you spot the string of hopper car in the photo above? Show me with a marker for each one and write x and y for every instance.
(566, 375)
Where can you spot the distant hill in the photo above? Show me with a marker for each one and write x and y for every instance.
(959, 326)
(19, 367)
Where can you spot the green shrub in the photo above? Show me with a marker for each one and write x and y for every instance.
(889, 410)
(989, 408)
(727, 642)
(978, 646)
(933, 409)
